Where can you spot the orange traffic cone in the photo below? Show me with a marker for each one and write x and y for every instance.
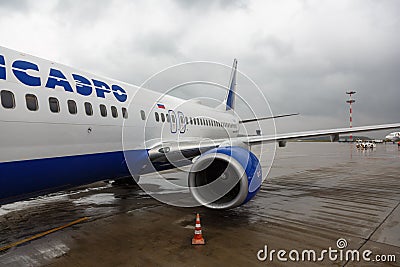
(198, 237)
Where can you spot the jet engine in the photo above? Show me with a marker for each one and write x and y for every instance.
(225, 177)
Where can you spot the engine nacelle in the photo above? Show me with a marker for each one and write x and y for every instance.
(225, 177)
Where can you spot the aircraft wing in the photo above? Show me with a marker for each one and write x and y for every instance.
(333, 133)
(172, 151)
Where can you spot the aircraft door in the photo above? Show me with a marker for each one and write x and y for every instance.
(182, 122)
(173, 121)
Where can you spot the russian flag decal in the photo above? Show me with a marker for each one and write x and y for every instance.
(160, 106)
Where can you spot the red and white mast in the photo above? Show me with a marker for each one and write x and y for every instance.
(351, 101)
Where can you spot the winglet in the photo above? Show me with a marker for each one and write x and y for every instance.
(230, 98)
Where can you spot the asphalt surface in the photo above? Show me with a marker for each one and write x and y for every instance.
(315, 194)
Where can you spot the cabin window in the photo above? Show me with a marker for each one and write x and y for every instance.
(31, 102)
(157, 116)
(142, 115)
(72, 106)
(54, 105)
(103, 110)
(124, 113)
(88, 109)
(162, 117)
(168, 119)
(114, 112)
(7, 99)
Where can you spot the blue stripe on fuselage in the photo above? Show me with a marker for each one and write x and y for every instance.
(28, 178)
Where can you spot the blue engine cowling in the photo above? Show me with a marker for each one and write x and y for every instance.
(225, 177)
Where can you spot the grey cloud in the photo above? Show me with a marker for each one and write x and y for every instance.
(14, 5)
(272, 45)
(304, 55)
(156, 44)
(207, 5)
(79, 13)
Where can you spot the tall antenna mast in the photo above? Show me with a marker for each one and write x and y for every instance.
(351, 101)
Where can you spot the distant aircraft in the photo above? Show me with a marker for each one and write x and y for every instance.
(394, 137)
(61, 127)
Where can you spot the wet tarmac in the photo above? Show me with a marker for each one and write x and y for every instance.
(315, 194)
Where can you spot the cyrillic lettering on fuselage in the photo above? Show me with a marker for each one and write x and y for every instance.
(28, 73)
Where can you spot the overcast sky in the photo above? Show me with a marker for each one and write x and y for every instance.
(303, 55)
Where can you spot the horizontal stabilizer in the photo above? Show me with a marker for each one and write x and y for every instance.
(268, 118)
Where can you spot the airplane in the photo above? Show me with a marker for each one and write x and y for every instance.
(393, 137)
(62, 128)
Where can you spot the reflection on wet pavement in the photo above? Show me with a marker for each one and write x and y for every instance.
(314, 194)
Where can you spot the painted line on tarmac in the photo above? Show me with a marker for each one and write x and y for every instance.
(43, 234)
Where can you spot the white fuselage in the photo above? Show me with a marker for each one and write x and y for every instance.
(34, 128)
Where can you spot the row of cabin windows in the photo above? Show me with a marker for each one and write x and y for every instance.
(32, 104)
(163, 117)
(189, 120)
